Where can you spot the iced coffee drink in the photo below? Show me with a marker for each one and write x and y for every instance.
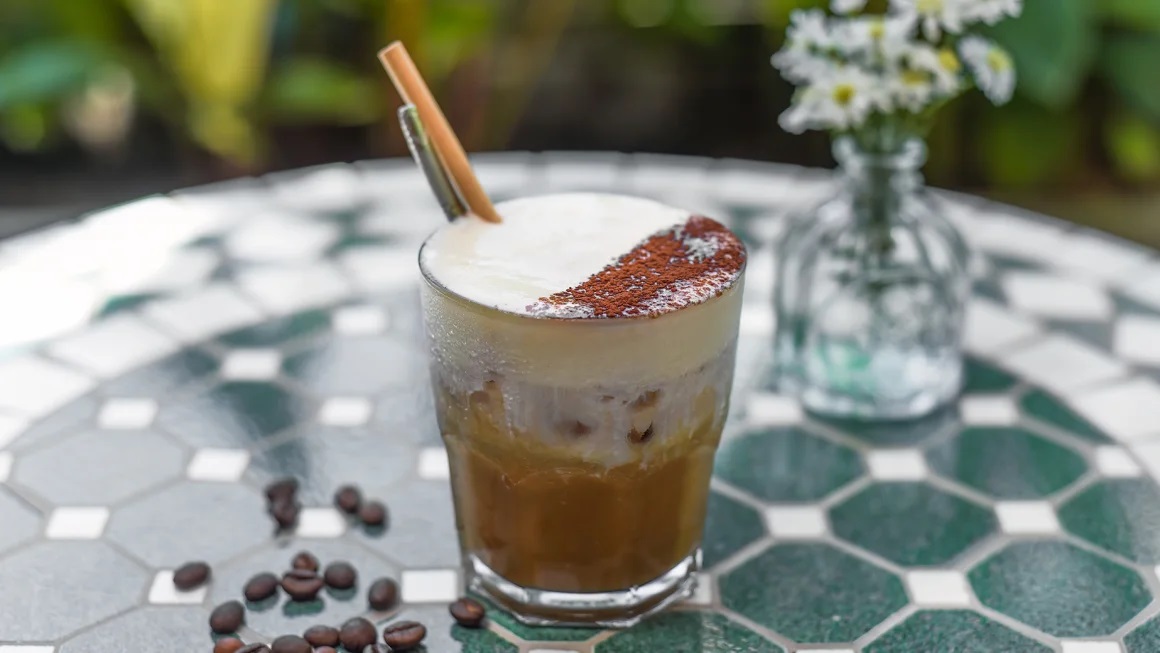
(582, 355)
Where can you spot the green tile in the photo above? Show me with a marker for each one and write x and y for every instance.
(688, 632)
(233, 414)
(953, 631)
(812, 592)
(911, 523)
(1145, 639)
(1060, 589)
(729, 526)
(475, 640)
(1046, 408)
(895, 434)
(119, 303)
(786, 464)
(276, 332)
(354, 240)
(983, 377)
(1008, 463)
(1122, 516)
(534, 633)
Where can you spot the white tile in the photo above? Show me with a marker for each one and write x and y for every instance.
(164, 272)
(127, 413)
(703, 594)
(1015, 236)
(279, 237)
(658, 172)
(251, 364)
(1099, 258)
(991, 327)
(162, 591)
(5, 465)
(114, 346)
(770, 409)
(1116, 462)
(896, 464)
(33, 387)
(1126, 411)
(1145, 286)
(1056, 297)
(1090, 646)
(212, 310)
(1027, 517)
(320, 522)
(938, 588)
(433, 464)
(328, 187)
(10, 428)
(382, 268)
(219, 465)
(430, 585)
(283, 290)
(1149, 455)
(26, 648)
(1061, 363)
(988, 410)
(362, 320)
(345, 411)
(796, 522)
(80, 523)
(564, 174)
(1137, 339)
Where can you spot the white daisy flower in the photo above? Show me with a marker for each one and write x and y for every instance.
(847, 6)
(885, 37)
(942, 67)
(934, 16)
(841, 99)
(808, 38)
(991, 67)
(992, 11)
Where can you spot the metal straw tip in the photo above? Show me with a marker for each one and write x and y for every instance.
(429, 162)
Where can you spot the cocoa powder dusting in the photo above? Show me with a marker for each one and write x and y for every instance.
(685, 265)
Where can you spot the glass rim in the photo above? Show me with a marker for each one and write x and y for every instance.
(440, 287)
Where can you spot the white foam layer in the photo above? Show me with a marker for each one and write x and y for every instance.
(544, 245)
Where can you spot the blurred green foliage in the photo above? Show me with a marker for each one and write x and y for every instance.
(222, 75)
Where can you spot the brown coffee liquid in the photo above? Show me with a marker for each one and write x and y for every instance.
(544, 519)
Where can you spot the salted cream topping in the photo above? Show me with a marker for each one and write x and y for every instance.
(545, 245)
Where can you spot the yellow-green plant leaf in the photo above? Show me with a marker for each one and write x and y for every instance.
(1134, 144)
(1025, 144)
(313, 90)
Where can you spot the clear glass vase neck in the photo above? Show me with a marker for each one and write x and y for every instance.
(879, 181)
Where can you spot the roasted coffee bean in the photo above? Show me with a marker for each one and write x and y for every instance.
(301, 584)
(261, 587)
(404, 635)
(282, 489)
(305, 560)
(321, 636)
(468, 612)
(383, 594)
(227, 618)
(228, 645)
(357, 634)
(348, 499)
(285, 512)
(340, 575)
(255, 648)
(191, 575)
(291, 644)
(373, 513)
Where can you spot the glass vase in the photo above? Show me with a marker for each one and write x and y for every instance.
(871, 293)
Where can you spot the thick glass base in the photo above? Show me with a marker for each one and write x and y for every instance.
(618, 609)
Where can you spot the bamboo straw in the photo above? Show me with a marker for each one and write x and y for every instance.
(414, 91)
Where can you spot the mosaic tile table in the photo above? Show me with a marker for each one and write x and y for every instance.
(203, 343)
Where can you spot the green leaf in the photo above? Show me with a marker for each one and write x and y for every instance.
(45, 72)
(1130, 63)
(1026, 144)
(312, 90)
(1134, 144)
(1139, 14)
(1053, 44)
